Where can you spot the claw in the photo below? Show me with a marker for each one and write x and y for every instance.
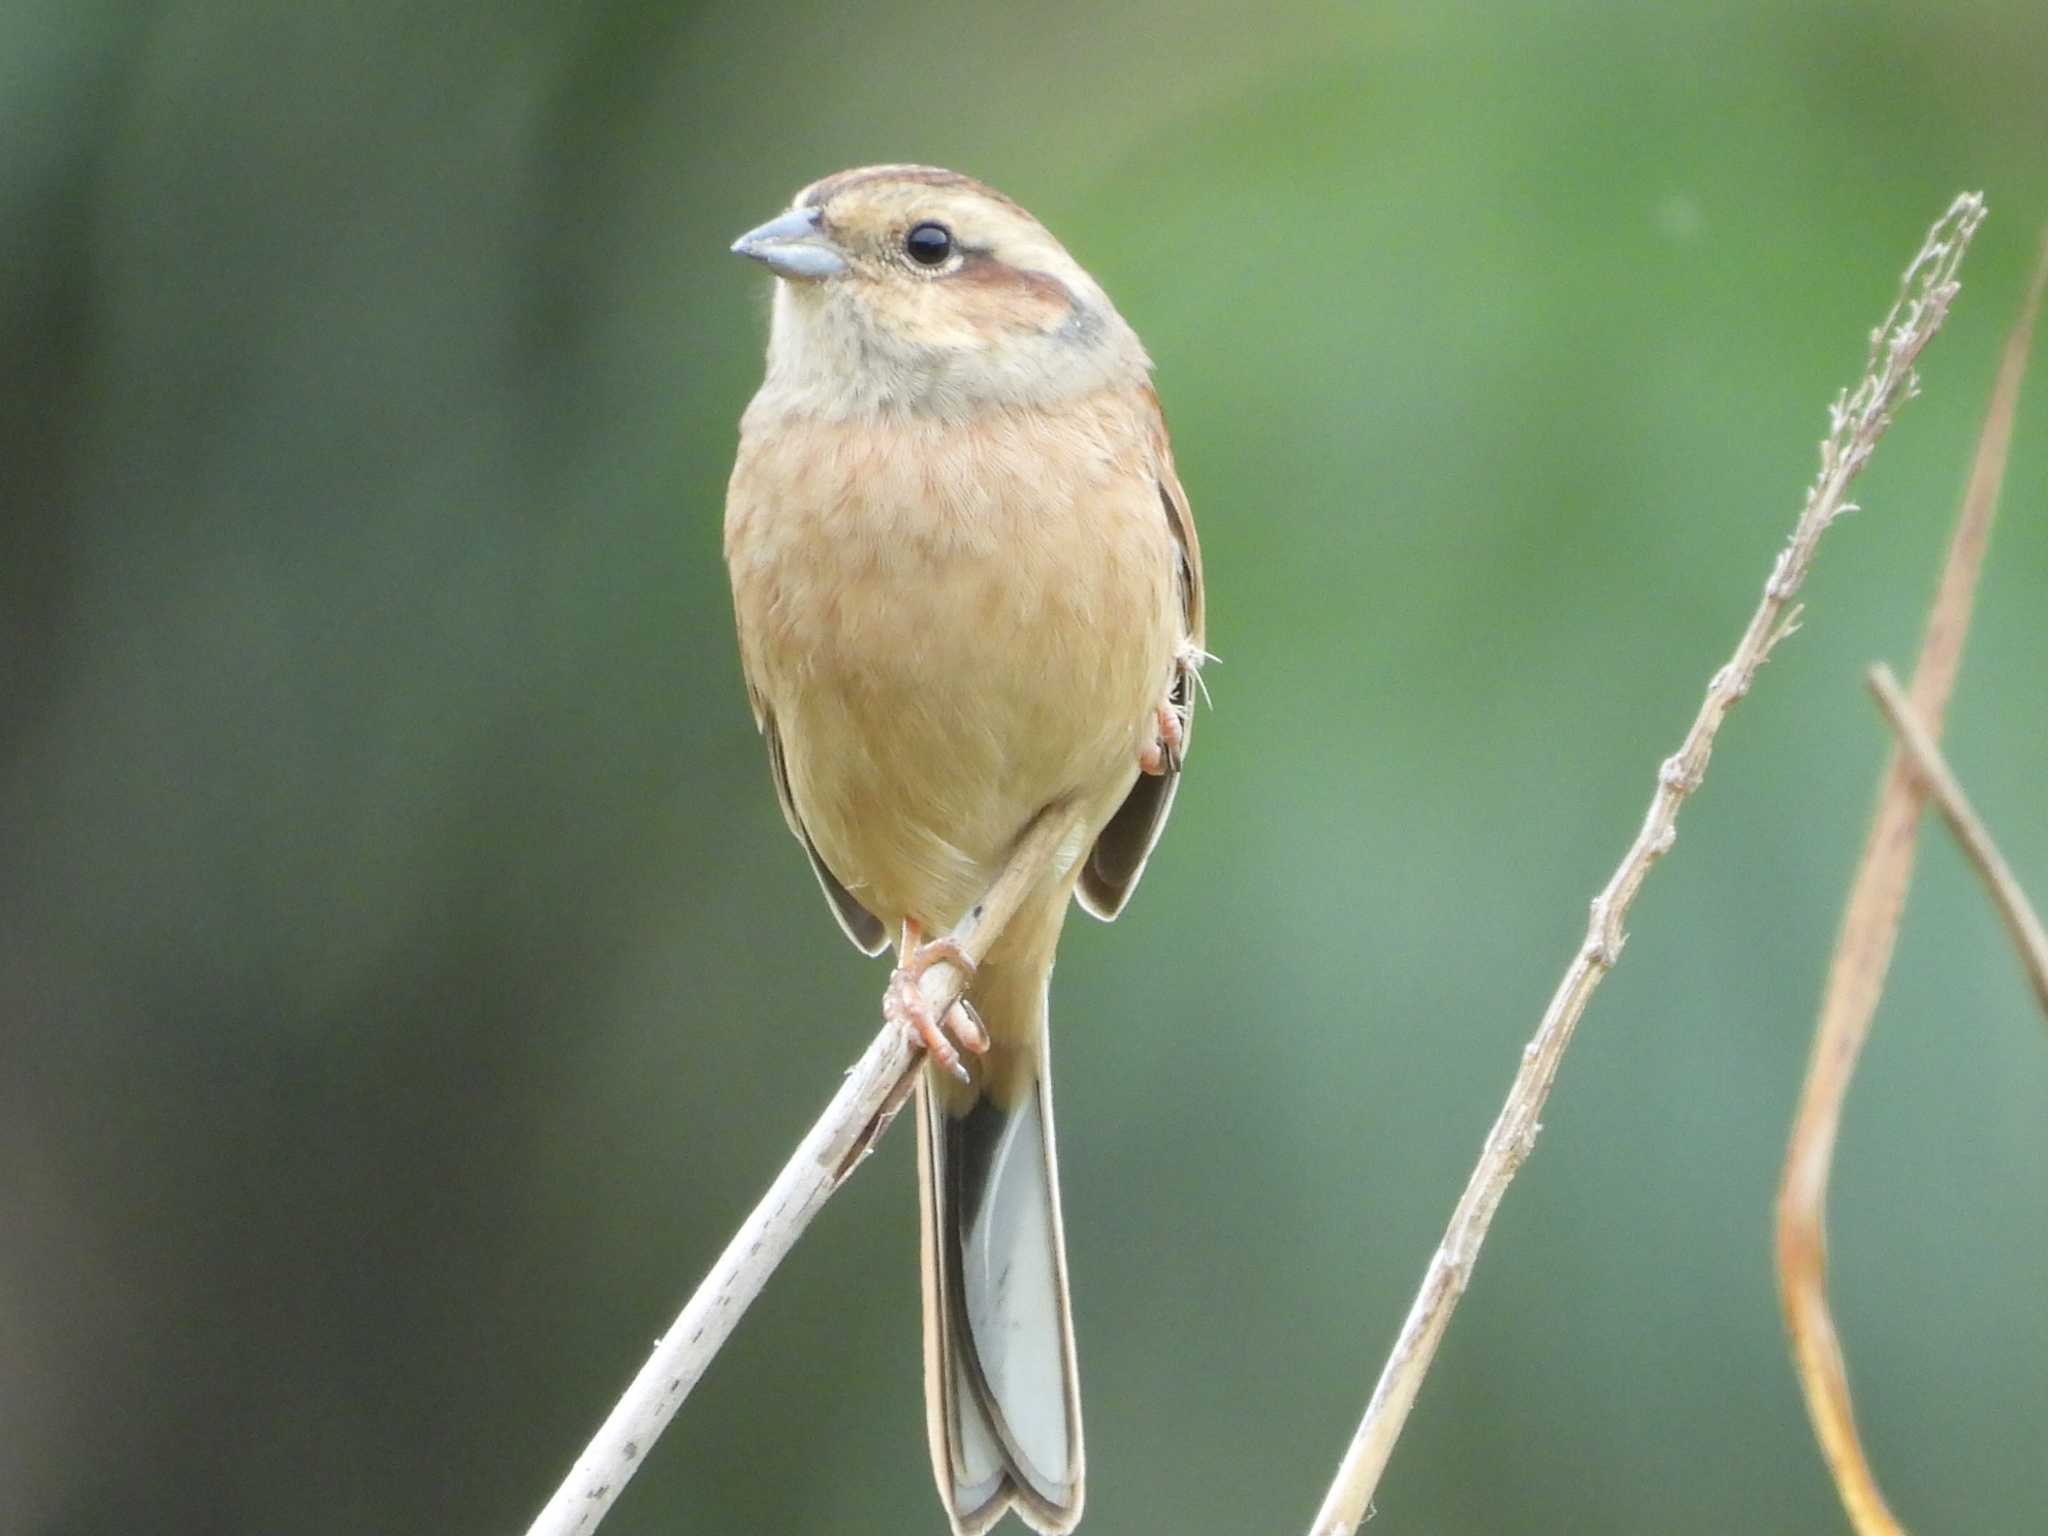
(967, 1027)
(1163, 753)
(928, 954)
(903, 1003)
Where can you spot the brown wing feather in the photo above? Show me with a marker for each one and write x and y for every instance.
(861, 925)
(1120, 852)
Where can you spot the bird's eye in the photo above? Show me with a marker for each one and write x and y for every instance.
(929, 243)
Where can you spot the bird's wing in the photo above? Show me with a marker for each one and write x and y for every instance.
(1120, 852)
(861, 925)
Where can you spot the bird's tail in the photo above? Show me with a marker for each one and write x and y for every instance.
(1002, 1404)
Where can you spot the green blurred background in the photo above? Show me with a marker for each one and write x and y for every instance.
(406, 981)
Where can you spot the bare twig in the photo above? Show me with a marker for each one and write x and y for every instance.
(857, 1115)
(1970, 832)
(1858, 419)
(1863, 952)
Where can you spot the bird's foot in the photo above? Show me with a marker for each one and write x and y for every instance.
(903, 1003)
(1163, 753)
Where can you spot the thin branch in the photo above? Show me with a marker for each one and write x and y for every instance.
(1857, 420)
(1863, 952)
(829, 1152)
(1970, 832)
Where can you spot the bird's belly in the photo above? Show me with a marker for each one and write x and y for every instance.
(944, 700)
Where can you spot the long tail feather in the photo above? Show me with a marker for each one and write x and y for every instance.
(1001, 1398)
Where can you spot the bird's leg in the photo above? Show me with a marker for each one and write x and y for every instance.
(904, 1002)
(1162, 753)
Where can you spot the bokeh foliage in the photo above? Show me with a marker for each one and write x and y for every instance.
(406, 980)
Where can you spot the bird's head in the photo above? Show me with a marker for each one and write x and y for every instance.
(906, 288)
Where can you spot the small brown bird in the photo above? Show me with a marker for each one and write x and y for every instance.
(968, 589)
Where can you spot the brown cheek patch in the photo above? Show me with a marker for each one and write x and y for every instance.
(1008, 291)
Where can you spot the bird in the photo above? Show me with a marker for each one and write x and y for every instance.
(968, 591)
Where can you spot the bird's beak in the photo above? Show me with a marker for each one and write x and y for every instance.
(793, 246)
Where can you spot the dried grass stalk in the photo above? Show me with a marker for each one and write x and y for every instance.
(1857, 419)
(1863, 952)
(829, 1152)
(2022, 924)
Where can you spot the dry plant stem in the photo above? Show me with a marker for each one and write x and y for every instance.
(1858, 419)
(827, 1154)
(1970, 832)
(1863, 952)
